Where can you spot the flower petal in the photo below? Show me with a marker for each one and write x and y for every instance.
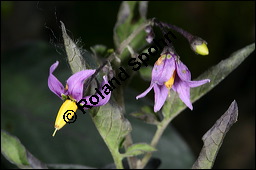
(53, 83)
(183, 71)
(163, 70)
(76, 83)
(100, 101)
(145, 92)
(197, 83)
(182, 88)
(107, 96)
(161, 93)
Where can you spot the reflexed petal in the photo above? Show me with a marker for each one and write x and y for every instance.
(145, 92)
(88, 103)
(183, 90)
(53, 83)
(107, 97)
(182, 71)
(163, 72)
(76, 83)
(101, 101)
(197, 83)
(161, 93)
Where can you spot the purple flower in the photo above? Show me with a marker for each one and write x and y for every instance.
(74, 86)
(170, 73)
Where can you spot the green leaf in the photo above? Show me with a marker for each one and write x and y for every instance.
(138, 149)
(216, 74)
(13, 150)
(16, 153)
(130, 16)
(75, 58)
(112, 126)
(147, 115)
(99, 50)
(214, 138)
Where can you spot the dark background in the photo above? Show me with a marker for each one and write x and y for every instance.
(226, 26)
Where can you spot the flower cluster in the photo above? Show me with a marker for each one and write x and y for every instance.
(170, 73)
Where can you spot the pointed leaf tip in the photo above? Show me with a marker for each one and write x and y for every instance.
(75, 58)
(213, 138)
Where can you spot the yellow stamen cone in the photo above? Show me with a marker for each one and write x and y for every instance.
(170, 82)
(66, 112)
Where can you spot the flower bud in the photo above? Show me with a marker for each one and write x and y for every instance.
(199, 46)
(150, 34)
(148, 29)
(149, 38)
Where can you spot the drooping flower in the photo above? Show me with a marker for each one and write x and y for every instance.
(170, 73)
(72, 93)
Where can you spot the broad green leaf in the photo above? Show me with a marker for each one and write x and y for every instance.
(13, 150)
(147, 115)
(138, 149)
(112, 126)
(16, 153)
(74, 55)
(216, 74)
(214, 138)
(130, 16)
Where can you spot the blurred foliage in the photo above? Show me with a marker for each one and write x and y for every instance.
(13, 150)
(16, 153)
(31, 41)
(130, 16)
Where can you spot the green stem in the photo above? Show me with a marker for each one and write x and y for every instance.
(126, 42)
(117, 159)
(119, 51)
(132, 161)
(128, 141)
(159, 132)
